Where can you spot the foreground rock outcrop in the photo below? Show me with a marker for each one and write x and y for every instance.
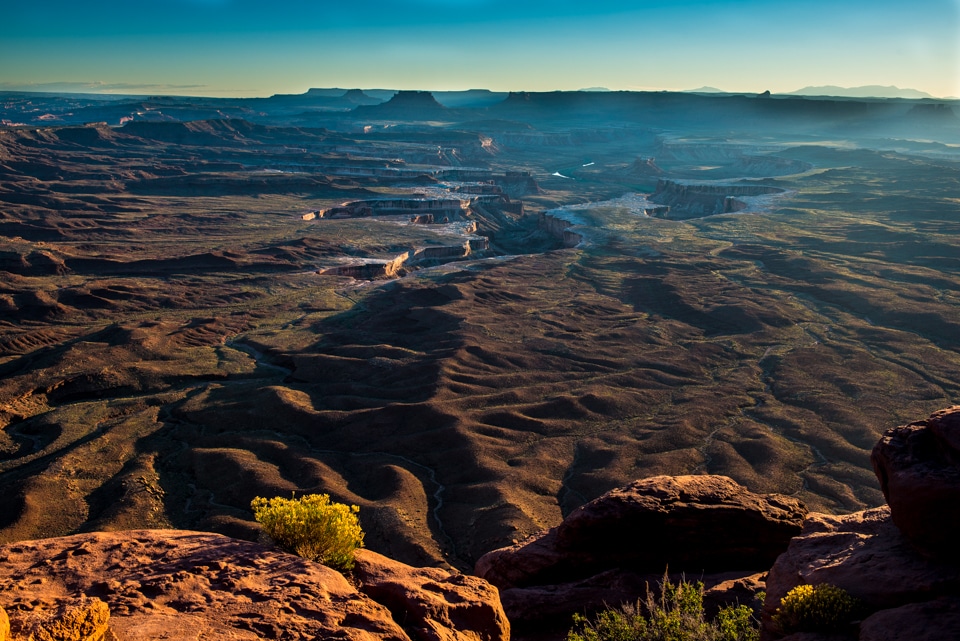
(900, 562)
(78, 619)
(433, 603)
(866, 555)
(935, 620)
(607, 551)
(691, 523)
(186, 585)
(918, 466)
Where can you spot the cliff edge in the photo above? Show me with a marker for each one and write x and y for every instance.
(175, 584)
(899, 563)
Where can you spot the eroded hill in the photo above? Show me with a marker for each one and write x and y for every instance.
(194, 314)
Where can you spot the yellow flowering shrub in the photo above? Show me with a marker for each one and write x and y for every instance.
(312, 527)
(815, 608)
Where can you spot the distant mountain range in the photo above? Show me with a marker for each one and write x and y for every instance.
(866, 91)
(706, 90)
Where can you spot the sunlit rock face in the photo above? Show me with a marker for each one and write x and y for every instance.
(178, 584)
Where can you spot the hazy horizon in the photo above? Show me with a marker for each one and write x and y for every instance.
(239, 48)
(69, 89)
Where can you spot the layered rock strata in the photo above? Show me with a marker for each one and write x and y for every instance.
(694, 201)
(559, 228)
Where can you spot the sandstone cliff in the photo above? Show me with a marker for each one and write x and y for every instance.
(560, 229)
(695, 201)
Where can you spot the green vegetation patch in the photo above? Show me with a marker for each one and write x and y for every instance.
(312, 527)
(676, 615)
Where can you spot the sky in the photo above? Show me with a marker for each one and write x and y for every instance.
(264, 47)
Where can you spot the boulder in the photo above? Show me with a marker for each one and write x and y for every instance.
(937, 620)
(535, 561)
(432, 603)
(81, 619)
(607, 552)
(732, 588)
(866, 555)
(186, 585)
(918, 466)
(545, 606)
(692, 524)
(4, 625)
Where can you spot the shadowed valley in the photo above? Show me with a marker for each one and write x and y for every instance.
(467, 314)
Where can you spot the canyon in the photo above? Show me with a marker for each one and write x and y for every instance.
(465, 345)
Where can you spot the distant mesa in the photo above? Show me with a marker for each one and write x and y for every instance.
(333, 98)
(358, 97)
(339, 92)
(414, 105)
(332, 92)
(595, 89)
(469, 98)
(417, 99)
(643, 168)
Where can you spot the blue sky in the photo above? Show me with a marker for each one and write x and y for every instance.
(257, 48)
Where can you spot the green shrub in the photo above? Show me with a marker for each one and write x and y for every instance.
(312, 527)
(676, 615)
(820, 608)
